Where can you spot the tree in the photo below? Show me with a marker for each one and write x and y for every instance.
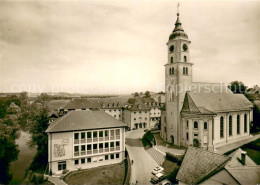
(147, 94)
(237, 87)
(136, 94)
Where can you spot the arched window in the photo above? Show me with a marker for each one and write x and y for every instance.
(205, 125)
(245, 123)
(173, 70)
(238, 124)
(195, 124)
(230, 125)
(171, 60)
(170, 71)
(221, 126)
(185, 59)
(186, 70)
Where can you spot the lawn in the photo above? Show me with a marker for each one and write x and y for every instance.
(169, 166)
(110, 174)
(160, 141)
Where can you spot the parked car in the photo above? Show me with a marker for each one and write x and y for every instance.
(165, 182)
(157, 178)
(157, 169)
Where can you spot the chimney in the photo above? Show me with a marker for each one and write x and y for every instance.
(243, 157)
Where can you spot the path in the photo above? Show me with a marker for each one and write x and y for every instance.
(143, 163)
(232, 146)
(56, 180)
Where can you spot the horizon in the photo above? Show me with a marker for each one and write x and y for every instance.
(65, 48)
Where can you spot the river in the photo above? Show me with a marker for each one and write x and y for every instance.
(24, 160)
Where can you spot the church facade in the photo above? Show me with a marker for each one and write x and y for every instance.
(208, 115)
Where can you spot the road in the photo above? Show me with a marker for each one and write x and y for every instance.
(143, 163)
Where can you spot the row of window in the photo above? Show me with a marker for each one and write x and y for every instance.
(96, 148)
(184, 59)
(95, 134)
(140, 112)
(195, 125)
(230, 120)
(96, 159)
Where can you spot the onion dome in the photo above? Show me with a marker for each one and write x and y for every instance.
(178, 30)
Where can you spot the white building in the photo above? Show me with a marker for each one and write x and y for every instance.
(85, 139)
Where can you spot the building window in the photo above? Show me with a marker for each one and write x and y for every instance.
(245, 123)
(186, 71)
(195, 135)
(76, 162)
(134, 119)
(95, 146)
(205, 125)
(134, 112)
(95, 134)
(185, 59)
(238, 124)
(117, 156)
(82, 135)
(106, 145)
(171, 60)
(187, 136)
(83, 161)
(173, 70)
(76, 136)
(83, 148)
(76, 148)
(187, 124)
(170, 71)
(106, 133)
(106, 157)
(89, 135)
(195, 124)
(89, 160)
(62, 165)
(115, 116)
(221, 126)
(112, 144)
(110, 110)
(230, 125)
(100, 133)
(88, 147)
(112, 156)
(117, 132)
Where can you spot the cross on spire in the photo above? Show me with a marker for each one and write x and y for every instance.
(178, 5)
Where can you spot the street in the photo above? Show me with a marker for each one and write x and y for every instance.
(143, 163)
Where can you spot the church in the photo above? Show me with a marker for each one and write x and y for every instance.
(206, 115)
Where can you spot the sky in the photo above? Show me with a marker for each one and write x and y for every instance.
(117, 47)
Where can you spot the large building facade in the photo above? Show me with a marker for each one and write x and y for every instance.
(204, 114)
(85, 139)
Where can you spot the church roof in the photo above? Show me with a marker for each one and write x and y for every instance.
(178, 31)
(213, 98)
(199, 164)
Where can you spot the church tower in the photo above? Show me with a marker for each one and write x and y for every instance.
(178, 77)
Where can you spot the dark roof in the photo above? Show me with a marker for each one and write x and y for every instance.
(199, 164)
(81, 103)
(83, 120)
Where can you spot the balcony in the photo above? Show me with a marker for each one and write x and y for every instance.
(83, 141)
(83, 153)
(112, 149)
(76, 153)
(106, 138)
(95, 139)
(118, 148)
(89, 140)
(95, 151)
(89, 152)
(106, 149)
(101, 150)
(118, 137)
(76, 141)
(112, 137)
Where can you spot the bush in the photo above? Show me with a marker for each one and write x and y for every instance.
(174, 158)
(172, 175)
